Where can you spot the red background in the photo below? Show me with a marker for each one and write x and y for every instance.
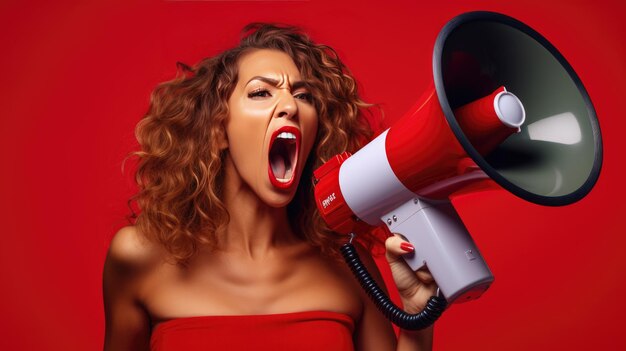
(76, 77)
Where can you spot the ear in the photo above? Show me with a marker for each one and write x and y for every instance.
(222, 140)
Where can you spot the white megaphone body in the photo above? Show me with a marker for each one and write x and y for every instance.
(505, 107)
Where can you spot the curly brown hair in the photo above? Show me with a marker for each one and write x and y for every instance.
(180, 173)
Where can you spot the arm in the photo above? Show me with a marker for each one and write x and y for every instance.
(127, 323)
(374, 331)
(415, 289)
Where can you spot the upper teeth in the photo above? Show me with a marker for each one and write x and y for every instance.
(286, 135)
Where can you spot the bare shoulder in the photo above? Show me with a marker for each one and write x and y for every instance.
(373, 332)
(129, 249)
(129, 258)
(368, 261)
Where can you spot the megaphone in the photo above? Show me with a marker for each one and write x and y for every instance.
(505, 107)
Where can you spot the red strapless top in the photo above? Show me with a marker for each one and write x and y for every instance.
(314, 330)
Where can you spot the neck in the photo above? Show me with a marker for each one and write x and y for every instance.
(255, 228)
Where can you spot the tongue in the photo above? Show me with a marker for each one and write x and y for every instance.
(278, 166)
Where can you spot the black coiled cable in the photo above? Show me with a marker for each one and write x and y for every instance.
(424, 319)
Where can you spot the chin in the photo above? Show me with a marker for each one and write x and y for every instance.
(278, 197)
(279, 200)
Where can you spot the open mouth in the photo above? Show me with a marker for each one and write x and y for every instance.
(283, 156)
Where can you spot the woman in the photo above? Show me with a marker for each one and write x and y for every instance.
(228, 250)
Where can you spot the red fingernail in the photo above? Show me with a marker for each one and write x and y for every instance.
(407, 247)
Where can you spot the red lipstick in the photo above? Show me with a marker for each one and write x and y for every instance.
(283, 156)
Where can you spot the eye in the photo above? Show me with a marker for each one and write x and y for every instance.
(259, 93)
(304, 96)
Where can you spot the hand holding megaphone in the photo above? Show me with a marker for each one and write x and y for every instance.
(415, 287)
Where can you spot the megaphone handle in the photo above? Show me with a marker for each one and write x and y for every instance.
(424, 319)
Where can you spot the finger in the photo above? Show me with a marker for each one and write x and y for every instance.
(396, 247)
(424, 275)
(404, 277)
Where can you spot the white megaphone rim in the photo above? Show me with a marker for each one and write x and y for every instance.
(594, 173)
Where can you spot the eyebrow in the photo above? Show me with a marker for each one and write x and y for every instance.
(274, 82)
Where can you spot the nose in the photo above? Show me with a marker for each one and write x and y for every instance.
(287, 107)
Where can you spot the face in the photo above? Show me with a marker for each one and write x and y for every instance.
(271, 127)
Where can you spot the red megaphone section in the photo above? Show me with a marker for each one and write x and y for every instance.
(422, 154)
(425, 154)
